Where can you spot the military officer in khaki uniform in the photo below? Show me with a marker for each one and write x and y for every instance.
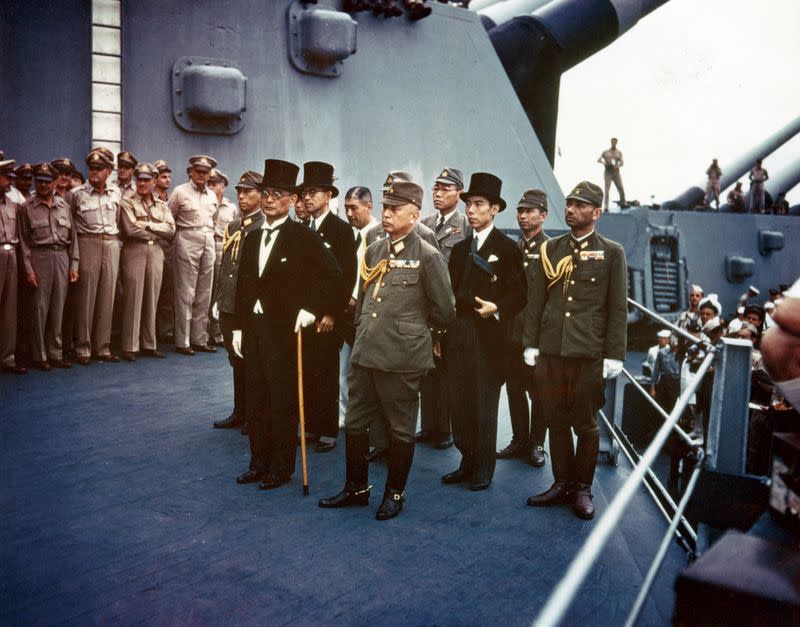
(714, 174)
(527, 423)
(145, 220)
(249, 219)
(611, 158)
(450, 227)
(24, 180)
(126, 163)
(226, 212)
(165, 317)
(64, 168)
(95, 211)
(9, 240)
(575, 335)
(50, 252)
(193, 206)
(756, 195)
(404, 292)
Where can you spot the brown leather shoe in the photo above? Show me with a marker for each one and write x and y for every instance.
(203, 348)
(84, 361)
(41, 365)
(15, 369)
(129, 355)
(109, 358)
(60, 363)
(184, 350)
(537, 457)
(560, 493)
(583, 505)
(153, 352)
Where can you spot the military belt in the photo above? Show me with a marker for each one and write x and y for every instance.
(51, 247)
(8, 246)
(100, 236)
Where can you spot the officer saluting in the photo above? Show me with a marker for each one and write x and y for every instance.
(575, 336)
(250, 219)
(404, 293)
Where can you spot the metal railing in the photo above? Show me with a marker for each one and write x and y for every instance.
(566, 590)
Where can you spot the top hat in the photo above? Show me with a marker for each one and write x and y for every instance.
(486, 185)
(280, 174)
(319, 174)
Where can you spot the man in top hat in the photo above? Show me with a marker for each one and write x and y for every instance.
(126, 163)
(226, 212)
(490, 289)
(9, 239)
(193, 206)
(51, 258)
(324, 339)
(287, 280)
(24, 180)
(404, 294)
(450, 227)
(527, 422)
(249, 219)
(145, 220)
(95, 209)
(576, 338)
(427, 234)
(611, 158)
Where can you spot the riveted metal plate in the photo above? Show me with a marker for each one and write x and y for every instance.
(320, 38)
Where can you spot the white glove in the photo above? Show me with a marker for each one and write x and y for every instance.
(236, 342)
(529, 356)
(611, 368)
(215, 310)
(304, 319)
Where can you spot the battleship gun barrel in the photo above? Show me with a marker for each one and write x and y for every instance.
(536, 49)
(784, 180)
(731, 172)
(501, 12)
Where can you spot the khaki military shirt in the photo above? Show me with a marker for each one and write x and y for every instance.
(193, 207)
(612, 159)
(9, 216)
(226, 212)
(46, 225)
(146, 222)
(95, 212)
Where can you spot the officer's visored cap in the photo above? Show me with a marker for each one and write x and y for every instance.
(403, 193)
(396, 175)
(145, 171)
(203, 162)
(127, 158)
(162, 166)
(451, 176)
(7, 167)
(218, 176)
(63, 165)
(24, 170)
(586, 191)
(533, 199)
(44, 172)
(249, 180)
(100, 156)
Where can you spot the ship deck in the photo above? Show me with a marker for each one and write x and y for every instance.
(119, 506)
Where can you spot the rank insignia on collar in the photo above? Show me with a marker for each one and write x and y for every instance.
(584, 245)
(247, 222)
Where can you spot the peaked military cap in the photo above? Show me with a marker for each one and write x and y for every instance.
(161, 166)
(533, 199)
(7, 167)
(402, 190)
(100, 156)
(145, 171)
(280, 174)
(44, 172)
(586, 191)
(318, 174)
(24, 170)
(249, 180)
(451, 176)
(127, 158)
(396, 176)
(486, 185)
(218, 177)
(203, 162)
(63, 165)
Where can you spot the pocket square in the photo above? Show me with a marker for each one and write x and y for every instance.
(283, 259)
(327, 245)
(493, 258)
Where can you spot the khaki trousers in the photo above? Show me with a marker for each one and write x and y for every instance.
(52, 272)
(142, 270)
(97, 286)
(8, 305)
(195, 254)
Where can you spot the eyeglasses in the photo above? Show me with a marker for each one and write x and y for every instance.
(275, 193)
(309, 192)
(441, 188)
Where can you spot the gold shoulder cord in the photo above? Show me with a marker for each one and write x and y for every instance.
(563, 269)
(229, 240)
(368, 275)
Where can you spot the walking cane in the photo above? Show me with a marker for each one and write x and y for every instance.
(302, 409)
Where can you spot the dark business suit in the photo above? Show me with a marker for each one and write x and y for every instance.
(321, 368)
(477, 347)
(299, 274)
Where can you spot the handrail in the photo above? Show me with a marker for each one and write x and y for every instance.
(555, 608)
(673, 327)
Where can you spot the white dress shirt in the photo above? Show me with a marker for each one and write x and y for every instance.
(264, 252)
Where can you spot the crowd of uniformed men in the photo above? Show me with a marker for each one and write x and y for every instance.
(392, 315)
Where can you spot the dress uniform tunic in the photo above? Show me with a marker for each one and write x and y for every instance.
(194, 255)
(50, 250)
(226, 212)
(143, 225)
(95, 215)
(9, 239)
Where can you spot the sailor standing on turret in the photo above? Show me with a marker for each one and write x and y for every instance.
(611, 158)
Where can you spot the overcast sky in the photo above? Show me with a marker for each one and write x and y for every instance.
(696, 79)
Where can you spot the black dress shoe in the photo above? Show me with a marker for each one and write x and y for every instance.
(42, 365)
(583, 505)
(153, 352)
(537, 457)
(392, 505)
(15, 370)
(443, 442)
(457, 476)
(60, 363)
(129, 355)
(479, 484)
(230, 422)
(350, 495)
(377, 454)
(324, 447)
(109, 358)
(514, 449)
(184, 350)
(270, 481)
(202, 348)
(560, 493)
(423, 435)
(251, 476)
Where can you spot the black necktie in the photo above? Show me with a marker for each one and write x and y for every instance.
(358, 239)
(268, 238)
(439, 223)
(313, 224)
(474, 247)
